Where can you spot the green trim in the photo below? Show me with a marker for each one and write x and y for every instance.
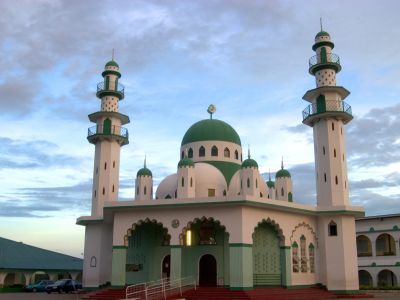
(228, 169)
(117, 286)
(240, 245)
(380, 230)
(103, 93)
(245, 288)
(119, 247)
(241, 203)
(176, 246)
(323, 43)
(352, 292)
(111, 72)
(381, 266)
(285, 247)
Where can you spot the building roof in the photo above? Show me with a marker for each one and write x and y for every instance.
(378, 217)
(17, 255)
(249, 163)
(211, 130)
(185, 162)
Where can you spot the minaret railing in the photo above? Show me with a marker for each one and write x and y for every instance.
(105, 130)
(328, 106)
(322, 59)
(101, 87)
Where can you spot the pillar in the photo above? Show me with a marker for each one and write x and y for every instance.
(118, 269)
(2, 277)
(286, 266)
(176, 262)
(241, 266)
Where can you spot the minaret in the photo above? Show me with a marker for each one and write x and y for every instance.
(249, 177)
(108, 136)
(283, 185)
(144, 184)
(327, 114)
(186, 178)
(271, 187)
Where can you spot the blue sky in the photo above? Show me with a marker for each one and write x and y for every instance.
(249, 58)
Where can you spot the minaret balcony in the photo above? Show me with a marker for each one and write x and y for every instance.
(326, 61)
(327, 109)
(101, 132)
(104, 89)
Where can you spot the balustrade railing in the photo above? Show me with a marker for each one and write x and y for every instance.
(326, 106)
(160, 289)
(321, 59)
(108, 130)
(101, 87)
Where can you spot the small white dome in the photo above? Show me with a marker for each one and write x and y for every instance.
(167, 186)
(209, 177)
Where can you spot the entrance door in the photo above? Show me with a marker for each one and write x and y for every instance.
(166, 266)
(207, 270)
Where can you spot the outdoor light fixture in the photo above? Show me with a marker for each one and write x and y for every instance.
(188, 238)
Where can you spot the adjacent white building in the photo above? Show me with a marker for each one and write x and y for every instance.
(378, 239)
(215, 218)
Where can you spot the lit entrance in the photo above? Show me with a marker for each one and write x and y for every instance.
(166, 266)
(207, 270)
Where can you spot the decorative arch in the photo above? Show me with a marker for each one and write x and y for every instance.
(227, 152)
(196, 220)
(385, 245)
(306, 227)
(277, 228)
(364, 278)
(214, 151)
(130, 231)
(190, 153)
(202, 151)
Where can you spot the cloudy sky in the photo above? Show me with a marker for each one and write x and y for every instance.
(249, 58)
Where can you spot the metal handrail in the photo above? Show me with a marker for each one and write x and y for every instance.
(318, 59)
(330, 106)
(113, 130)
(101, 87)
(159, 289)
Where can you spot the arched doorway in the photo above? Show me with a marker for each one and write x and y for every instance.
(207, 270)
(386, 278)
(267, 254)
(364, 278)
(166, 267)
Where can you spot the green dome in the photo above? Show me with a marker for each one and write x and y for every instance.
(111, 63)
(270, 183)
(282, 173)
(144, 172)
(185, 162)
(211, 130)
(249, 163)
(322, 33)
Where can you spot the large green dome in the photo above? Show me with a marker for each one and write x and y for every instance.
(211, 130)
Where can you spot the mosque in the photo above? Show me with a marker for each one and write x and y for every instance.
(216, 218)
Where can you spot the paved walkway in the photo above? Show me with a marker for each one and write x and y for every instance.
(39, 296)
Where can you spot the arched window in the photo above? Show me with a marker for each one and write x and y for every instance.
(236, 154)
(364, 278)
(227, 153)
(107, 126)
(145, 190)
(183, 182)
(387, 278)
(114, 164)
(113, 188)
(334, 152)
(323, 150)
(385, 245)
(295, 257)
(282, 192)
(333, 126)
(364, 247)
(303, 254)
(104, 191)
(137, 191)
(191, 182)
(93, 262)
(290, 197)
(182, 154)
(224, 193)
(202, 151)
(256, 183)
(214, 151)
(336, 180)
(332, 229)
(248, 182)
(190, 153)
(311, 255)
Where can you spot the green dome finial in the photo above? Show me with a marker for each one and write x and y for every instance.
(211, 109)
(249, 162)
(144, 171)
(270, 183)
(282, 172)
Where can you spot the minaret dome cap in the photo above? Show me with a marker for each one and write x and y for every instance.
(111, 63)
(322, 33)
